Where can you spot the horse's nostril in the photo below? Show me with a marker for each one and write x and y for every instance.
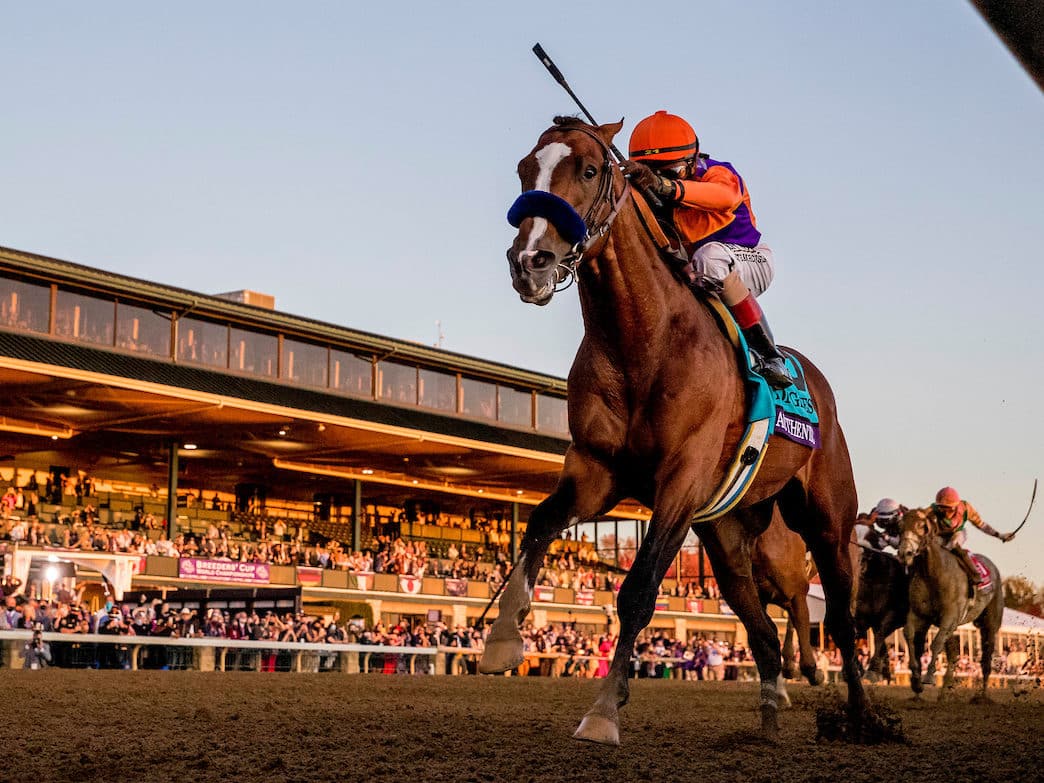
(541, 259)
(512, 258)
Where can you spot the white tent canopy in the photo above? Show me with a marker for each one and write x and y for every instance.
(117, 567)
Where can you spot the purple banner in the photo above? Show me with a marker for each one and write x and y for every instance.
(223, 571)
(797, 429)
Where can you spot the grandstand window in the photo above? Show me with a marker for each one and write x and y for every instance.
(437, 390)
(689, 559)
(514, 406)
(397, 382)
(626, 542)
(606, 540)
(202, 342)
(25, 305)
(85, 318)
(305, 363)
(552, 415)
(253, 352)
(143, 330)
(478, 398)
(351, 373)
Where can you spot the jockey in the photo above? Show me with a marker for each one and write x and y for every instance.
(951, 514)
(885, 520)
(710, 208)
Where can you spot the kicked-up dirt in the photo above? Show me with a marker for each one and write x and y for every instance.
(77, 725)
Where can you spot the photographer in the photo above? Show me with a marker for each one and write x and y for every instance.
(37, 651)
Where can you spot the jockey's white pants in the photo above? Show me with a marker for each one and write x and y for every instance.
(957, 539)
(712, 262)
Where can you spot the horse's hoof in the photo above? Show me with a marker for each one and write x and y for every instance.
(790, 672)
(981, 698)
(769, 723)
(596, 728)
(818, 678)
(501, 655)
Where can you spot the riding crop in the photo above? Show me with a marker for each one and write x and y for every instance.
(556, 74)
(1032, 498)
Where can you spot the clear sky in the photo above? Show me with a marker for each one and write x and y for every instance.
(356, 161)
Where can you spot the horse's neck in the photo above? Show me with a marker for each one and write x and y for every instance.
(934, 565)
(629, 296)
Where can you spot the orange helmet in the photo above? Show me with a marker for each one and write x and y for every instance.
(663, 139)
(947, 497)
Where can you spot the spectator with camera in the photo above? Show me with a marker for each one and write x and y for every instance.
(37, 651)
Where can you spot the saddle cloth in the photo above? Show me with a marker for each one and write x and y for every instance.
(788, 412)
(985, 578)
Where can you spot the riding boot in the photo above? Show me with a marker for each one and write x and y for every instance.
(969, 568)
(769, 363)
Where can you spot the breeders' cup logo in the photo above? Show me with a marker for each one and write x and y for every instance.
(792, 398)
(262, 571)
(188, 567)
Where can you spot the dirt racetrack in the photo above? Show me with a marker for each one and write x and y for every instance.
(64, 725)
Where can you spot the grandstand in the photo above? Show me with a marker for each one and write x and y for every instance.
(175, 414)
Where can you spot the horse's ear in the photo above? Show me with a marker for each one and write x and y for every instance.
(609, 130)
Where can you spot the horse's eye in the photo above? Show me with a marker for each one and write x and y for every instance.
(589, 172)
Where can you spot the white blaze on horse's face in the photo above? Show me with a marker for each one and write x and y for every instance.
(915, 527)
(548, 157)
(532, 257)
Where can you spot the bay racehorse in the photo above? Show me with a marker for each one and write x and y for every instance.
(939, 597)
(656, 408)
(781, 573)
(882, 600)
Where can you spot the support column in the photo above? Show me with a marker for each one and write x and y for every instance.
(357, 517)
(172, 490)
(513, 552)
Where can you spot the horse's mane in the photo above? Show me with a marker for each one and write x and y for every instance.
(562, 119)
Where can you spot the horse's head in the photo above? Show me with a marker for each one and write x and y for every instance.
(916, 530)
(569, 174)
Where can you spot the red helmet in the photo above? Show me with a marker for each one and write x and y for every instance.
(663, 139)
(947, 497)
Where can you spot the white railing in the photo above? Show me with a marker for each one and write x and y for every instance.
(211, 654)
(209, 651)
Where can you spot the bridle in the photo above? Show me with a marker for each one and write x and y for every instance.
(565, 218)
(918, 540)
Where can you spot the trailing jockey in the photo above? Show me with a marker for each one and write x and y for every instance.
(886, 522)
(951, 514)
(709, 206)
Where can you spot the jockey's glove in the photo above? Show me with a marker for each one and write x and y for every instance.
(644, 178)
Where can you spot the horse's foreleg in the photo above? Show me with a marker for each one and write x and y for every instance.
(583, 492)
(635, 606)
(876, 667)
(915, 633)
(953, 654)
(947, 627)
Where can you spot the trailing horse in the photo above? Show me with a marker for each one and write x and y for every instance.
(656, 410)
(881, 605)
(939, 597)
